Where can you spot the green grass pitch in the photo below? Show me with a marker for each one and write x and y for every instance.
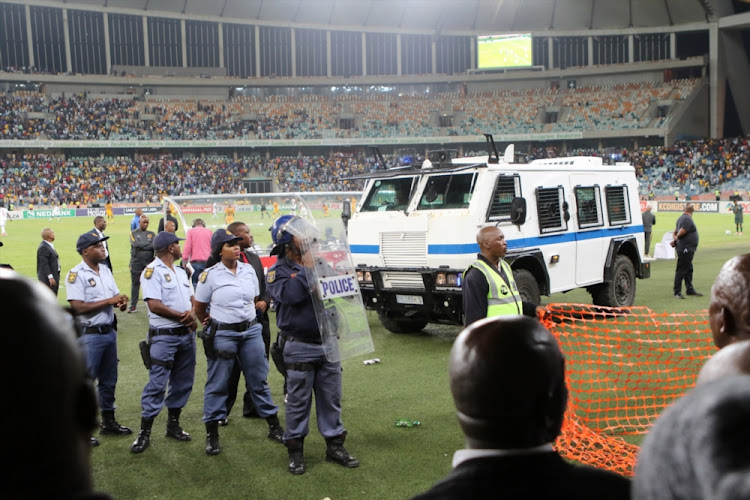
(410, 382)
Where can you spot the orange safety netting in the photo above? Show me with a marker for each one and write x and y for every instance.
(623, 367)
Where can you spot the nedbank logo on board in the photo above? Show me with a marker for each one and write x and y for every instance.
(41, 214)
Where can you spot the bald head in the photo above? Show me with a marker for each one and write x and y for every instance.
(733, 359)
(492, 244)
(507, 378)
(55, 391)
(689, 208)
(729, 311)
(48, 234)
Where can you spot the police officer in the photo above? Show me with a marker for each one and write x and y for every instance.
(141, 253)
(232, 330)
(92, 293)
(242, 231)
(306, 365)
(169, 351)
(488, 286)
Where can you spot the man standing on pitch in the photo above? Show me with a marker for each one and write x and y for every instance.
(141, 253)
(649, 220)
(685, 243)
(47, 261)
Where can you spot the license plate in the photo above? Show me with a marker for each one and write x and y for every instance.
(409, 299)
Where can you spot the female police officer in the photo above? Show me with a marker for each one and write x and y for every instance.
(304, 355)
(230, 289)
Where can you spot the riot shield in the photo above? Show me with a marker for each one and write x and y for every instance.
(336, 295)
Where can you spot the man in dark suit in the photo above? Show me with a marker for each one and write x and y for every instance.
(241, 230)
(47, 261)
(507, 376)
(171, 218)
(100, 224)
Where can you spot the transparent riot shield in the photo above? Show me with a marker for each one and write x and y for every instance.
(336, 296)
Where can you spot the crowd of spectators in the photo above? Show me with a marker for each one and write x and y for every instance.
(29, 115)
(694, 167)
(42, 179)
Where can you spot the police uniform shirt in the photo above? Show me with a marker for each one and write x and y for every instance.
(295, 314)
(85, 284)
(172, 288)
(231, 296)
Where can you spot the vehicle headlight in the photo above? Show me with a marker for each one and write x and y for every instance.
(440, 279)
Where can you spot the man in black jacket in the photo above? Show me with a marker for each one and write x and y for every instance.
(241, 230)
(507, 376)
(47, 261)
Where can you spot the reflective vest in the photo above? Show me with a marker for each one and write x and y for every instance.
(501, 300)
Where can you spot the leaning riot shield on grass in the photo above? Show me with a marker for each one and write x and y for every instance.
(337, 300)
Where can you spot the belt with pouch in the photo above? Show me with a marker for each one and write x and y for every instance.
(304, 340)
(97, 329)
(236, 327)
(177, 330)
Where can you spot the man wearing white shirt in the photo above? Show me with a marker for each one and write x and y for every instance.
(3, 219)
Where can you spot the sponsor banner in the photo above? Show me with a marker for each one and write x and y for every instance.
(91, 212)
(146, 210)
(728, 206)
(679, 206)
(195, 209)
(45, 144)
(15, 214)
(47, 213)
(267, 262)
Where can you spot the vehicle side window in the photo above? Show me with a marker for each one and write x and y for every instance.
(507, 187)
(447, 191)
(618, 208)
(388, 194)
(589, 206)
(550, 205)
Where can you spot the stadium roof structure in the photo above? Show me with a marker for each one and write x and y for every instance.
(434, 16)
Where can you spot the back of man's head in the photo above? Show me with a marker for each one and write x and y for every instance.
(698, 448)
(733, 359)
(44, 385)
(507, 376)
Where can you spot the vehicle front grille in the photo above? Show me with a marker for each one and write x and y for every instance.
(404, 249)
(402, 280)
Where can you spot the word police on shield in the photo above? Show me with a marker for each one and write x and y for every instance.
(338, 286)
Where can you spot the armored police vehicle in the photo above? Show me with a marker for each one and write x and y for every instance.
(569, 223)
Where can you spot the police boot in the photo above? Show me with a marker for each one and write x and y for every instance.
(110, 426)
(212, 438)
(275, 431)
(144, 436)
(295, 448)
(174, 430)
(335, 452)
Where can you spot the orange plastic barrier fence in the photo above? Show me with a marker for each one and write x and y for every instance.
(623, 367)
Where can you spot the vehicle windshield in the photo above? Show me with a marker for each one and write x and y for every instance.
(389, 194)
(447, 191)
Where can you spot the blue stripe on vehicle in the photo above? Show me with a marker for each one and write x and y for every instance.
(552, 239)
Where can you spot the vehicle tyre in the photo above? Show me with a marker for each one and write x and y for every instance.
(620, 292)
(528, 288)
(402, 325)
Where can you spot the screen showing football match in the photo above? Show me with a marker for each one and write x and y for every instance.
(504, 51)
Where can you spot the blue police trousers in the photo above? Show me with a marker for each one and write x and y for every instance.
(249, 347)
(180, 351)
(101, 362)
(324, 381)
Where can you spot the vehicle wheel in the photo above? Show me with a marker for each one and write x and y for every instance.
(621, 291)
(528, 288)
(402, 325)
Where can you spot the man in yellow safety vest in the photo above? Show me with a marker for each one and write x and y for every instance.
(488, 285)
